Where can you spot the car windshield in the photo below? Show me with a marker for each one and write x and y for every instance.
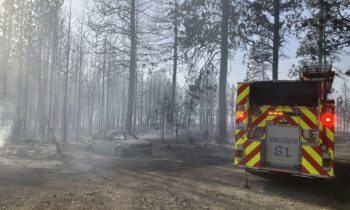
(119, 136)
(98, 135)
(130, 136)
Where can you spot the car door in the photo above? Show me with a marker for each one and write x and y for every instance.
(97, 141)
(119, 138)
(103, 143)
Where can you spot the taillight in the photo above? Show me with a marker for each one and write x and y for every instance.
(276, 113)
(240, 115)
(327, 119)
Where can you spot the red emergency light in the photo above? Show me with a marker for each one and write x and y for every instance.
(240, 116)
(328, 119)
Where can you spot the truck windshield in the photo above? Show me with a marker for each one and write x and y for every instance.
(284, 93)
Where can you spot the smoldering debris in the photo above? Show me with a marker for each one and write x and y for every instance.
(34, 150)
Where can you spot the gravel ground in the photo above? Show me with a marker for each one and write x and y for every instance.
(175, 177)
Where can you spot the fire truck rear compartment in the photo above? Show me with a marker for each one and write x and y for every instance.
(282, 147)
(287, 126)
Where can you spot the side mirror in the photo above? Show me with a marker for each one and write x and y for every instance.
(347, 73)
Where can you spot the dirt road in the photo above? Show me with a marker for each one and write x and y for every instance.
(175, 177)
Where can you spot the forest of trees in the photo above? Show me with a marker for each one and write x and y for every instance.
(116, 64)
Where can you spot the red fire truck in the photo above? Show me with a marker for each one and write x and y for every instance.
(287, 126)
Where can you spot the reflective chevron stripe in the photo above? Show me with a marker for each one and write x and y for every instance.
(252, 154)
(312, 161)
(242, 101)
(308, 118)
(242, 93)
(326, 136)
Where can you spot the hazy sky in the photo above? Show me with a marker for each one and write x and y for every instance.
(237, 70)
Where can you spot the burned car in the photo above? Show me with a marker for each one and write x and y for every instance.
(118, 143)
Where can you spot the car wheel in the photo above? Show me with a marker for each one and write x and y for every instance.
(119, 152)
(149, 152)
(89, 148)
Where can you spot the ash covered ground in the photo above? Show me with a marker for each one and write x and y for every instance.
(177, 176)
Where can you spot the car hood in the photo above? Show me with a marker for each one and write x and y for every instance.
(138, 142)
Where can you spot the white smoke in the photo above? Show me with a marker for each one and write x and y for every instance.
(6, 125)
(5, 132)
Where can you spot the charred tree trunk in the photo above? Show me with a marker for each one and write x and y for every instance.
(223, 71)
(53, 72)
(132, 72)
(65, 98)
(26, 85)
(7, 33)
(321, 38)
(80, 81)
(276, 39)
(175, 57)
(18, 131)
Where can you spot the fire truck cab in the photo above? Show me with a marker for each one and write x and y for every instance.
(287, 126)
